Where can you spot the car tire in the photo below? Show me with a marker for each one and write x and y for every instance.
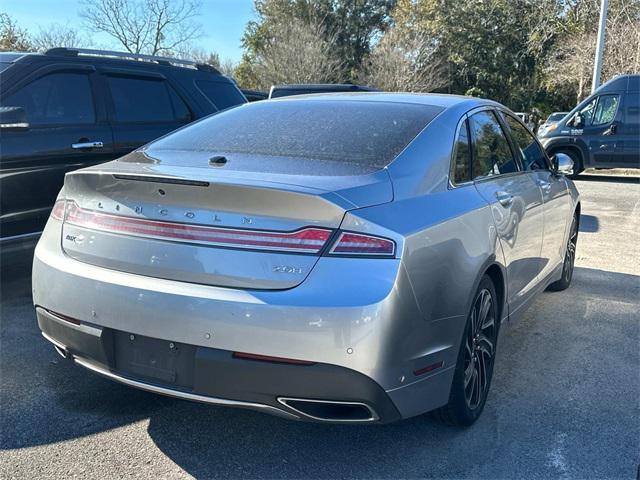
(569, 259)
(474, 367)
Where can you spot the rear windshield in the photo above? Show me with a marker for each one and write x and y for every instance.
(369, 134)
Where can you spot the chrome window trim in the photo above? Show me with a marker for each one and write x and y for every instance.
(492, 108)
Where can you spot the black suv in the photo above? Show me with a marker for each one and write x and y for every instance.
(71, 108)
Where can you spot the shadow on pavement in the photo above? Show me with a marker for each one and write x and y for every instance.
(45, 399)
(608, 178)
(589, 223)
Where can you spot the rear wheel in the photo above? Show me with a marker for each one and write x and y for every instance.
(569, 259)
(474, 368)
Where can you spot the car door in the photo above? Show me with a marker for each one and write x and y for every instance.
(554, 191)
(67, 130)
(600, 129)
(516, 204)
(143, 106)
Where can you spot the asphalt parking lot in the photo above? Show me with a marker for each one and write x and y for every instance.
(564, 401)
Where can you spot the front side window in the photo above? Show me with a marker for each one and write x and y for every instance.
(146, 100)
(491, 152)
(606, 109)
(462, 156)
(586, 112)
(532, 156)
(56, 99)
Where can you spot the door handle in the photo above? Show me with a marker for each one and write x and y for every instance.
(505, 199)
(82, 145)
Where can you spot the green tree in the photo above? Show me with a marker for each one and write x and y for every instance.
(349, 26)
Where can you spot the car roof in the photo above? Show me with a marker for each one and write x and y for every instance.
(10, 57)
(433, 99)
(322, 86)
(106, 57)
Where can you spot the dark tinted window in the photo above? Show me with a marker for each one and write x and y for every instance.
(530, 152)
(4, 66)
(633, 109)
(145, 100)
(57, 99)
(222, 94)
(491, 152)
(606, 109)
(368, 134)
(462, 156)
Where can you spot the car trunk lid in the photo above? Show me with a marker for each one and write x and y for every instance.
(196, 223)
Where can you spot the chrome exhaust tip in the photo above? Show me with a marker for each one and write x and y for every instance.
(331, 410)
(63, 352)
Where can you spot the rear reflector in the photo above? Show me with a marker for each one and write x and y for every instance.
(307, 240)
(349, 243)
(267, 358)
(427, 369)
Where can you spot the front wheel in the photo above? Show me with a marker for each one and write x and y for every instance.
(569, 258)
(474, 368)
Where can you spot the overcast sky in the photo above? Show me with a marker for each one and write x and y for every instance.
(223, 21)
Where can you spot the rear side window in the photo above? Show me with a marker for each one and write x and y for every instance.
(360, 133)
(56, 99)
(633, 109)
(532, 156)
(606, 109)
(221, 94)
(462, 156)
(146, 100)
(491, 152)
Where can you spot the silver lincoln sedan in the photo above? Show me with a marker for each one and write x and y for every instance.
(334, 258)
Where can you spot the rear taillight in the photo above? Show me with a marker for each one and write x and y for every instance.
(349, 243)
(58, 210)
(310, 240)
(307, 240)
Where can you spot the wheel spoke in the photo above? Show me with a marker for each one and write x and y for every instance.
(486, 306)
(485, 344)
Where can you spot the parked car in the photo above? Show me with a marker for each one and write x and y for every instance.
(603, 131)
(303, 89)
(551, 121)
(254, 95)
(331, 258)
(71, 108)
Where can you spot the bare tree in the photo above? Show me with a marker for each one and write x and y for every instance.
(572, 59)
(405, 61)
(12, 37)
(145, 26)
(57, 35)
(297, 52)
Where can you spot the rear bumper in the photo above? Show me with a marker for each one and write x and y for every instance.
(215, 376)
(359, 326)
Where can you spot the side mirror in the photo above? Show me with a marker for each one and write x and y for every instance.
(13, 118)
(562, 164)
